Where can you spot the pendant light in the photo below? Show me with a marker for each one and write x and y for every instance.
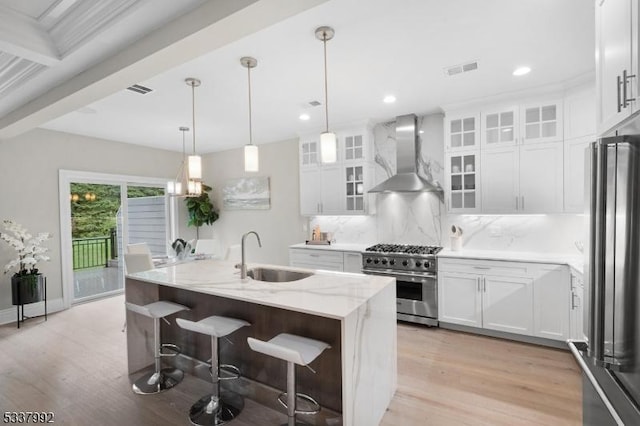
(178, 185)
(328, 141)
(194, 186)
(251, 163)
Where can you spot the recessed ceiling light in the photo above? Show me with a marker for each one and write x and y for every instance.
(421, 131)
(389, 99)
(304, 117)
(521, 71)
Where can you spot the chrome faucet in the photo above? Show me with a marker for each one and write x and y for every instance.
(243, 264)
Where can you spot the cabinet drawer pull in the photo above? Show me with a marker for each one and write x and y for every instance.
(619, 87)
(482, 267)
(516, 202)
(523, 202)
(478, 284)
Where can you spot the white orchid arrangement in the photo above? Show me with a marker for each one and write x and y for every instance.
(28, 247)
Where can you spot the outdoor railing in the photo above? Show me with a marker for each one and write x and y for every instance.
(91, 252)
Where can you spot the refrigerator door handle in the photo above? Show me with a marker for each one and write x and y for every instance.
(596, 249)
(592, 379)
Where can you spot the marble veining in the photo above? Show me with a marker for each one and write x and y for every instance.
(527, 233)
(410, 218)
(327, 294)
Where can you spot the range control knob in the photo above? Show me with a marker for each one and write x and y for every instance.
(384, 261)
(376, 261)
(405, 263)
(427, 264)
(392, 262)
(368, 260)
(418, 263)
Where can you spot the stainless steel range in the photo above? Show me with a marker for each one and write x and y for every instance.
(415, 270)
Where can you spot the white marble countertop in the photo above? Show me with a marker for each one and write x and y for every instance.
(327, 294)
(575, 261)
(336, 247)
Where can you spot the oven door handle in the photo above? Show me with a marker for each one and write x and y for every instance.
(399, 274)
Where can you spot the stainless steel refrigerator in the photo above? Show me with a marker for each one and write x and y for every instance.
(610, 358)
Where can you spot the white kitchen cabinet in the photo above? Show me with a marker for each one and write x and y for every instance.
(575, 181)
(499, 127)
(551, 293)
(352, 262)
(530, 299)
(462, 181)
(506, 304)
(500, 180)
(462, 131)
(310, 191)
(309, 153)
(339, 188)
(616, 61)
(541, 122)
(485, 294)
(580, 112)
(459, 298)
(328, 260)
(541, 178)
(332, 199)
(523, 179)
(331, 260)
(576, 320)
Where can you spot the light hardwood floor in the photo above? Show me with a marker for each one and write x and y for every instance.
(75, 366)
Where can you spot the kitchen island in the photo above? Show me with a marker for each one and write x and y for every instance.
(356, 314)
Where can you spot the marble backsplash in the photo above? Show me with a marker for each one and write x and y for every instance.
(420, 219)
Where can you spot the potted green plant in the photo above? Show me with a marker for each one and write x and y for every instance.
(201, 210)
(27, 284)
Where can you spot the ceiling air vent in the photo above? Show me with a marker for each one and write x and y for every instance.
(139, 89)
(459, 69)
(315, 103)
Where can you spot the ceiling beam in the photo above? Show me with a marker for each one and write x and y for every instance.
(214, 24)
(23, 36)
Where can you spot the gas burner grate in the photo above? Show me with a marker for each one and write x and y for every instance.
(404, 249)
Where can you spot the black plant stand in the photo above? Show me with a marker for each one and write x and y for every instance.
(20, 305)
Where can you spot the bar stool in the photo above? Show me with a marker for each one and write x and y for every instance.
(295, 350)
(160, 379)
(214, 409)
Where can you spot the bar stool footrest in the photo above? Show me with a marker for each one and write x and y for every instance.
(282, 399)
(171, 347)
(232, 370)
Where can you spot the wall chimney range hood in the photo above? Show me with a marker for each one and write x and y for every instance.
(406, 178)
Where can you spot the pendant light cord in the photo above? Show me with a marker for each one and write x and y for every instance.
(250, 124)
(326, 96)
(193, 114)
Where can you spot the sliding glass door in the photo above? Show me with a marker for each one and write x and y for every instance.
(100, 216)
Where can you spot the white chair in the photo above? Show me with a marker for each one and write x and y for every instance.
(234, 253)
(207, 247)
(139, 248)
(295, 350)
(215, 409)
(138, 262)
(160, 379)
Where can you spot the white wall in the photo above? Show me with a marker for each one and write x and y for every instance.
(29, 167)
(278, 227)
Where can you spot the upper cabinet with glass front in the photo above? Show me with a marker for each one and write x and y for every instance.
(309, 152)
(541, 122)
(462, 131)
(499, 127)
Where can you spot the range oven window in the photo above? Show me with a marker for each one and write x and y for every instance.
(408, 290)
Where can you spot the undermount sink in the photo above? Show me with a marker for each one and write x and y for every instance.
(276, 275)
